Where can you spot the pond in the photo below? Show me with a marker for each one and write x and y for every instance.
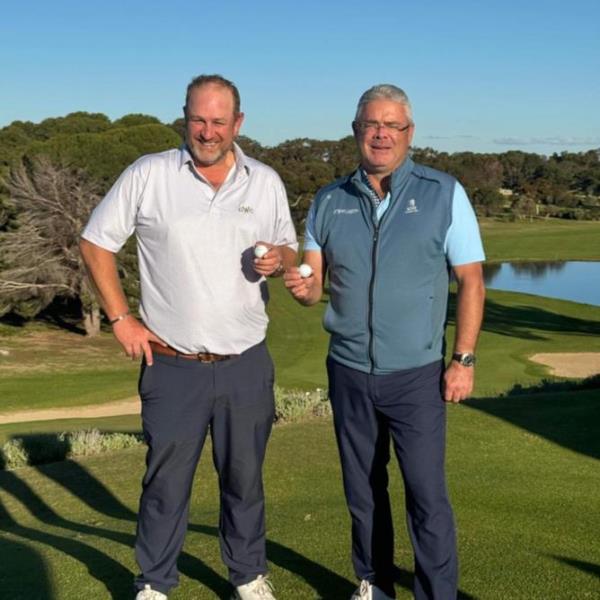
(578, 281)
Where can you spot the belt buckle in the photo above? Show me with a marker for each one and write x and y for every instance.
(204, 357)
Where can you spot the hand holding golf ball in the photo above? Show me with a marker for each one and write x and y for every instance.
(268, 259)
(305, 270)
(301, 283)
(260, 250)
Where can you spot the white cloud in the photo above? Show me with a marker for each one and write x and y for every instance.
(550, 141)
(463, 136)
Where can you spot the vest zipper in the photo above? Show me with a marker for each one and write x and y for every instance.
(371, 294)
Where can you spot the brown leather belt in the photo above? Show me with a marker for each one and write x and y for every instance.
(203, 357)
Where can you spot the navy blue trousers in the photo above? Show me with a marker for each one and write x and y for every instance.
(182, 400)
(406, 406)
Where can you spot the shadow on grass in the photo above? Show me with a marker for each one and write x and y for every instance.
(118, 580)
(566, 413)
(527, 322)
(101, 565)
(580, 565)
(18, 563)
(115, 577)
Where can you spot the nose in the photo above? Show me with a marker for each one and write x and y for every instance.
(379, 130)
(207, 131)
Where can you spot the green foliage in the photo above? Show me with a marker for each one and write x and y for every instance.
(45, 448)
(135, 119)
(294, 405)
(178, 126)
(105, 155)
(77, 122)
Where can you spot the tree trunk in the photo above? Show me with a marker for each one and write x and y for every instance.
(91, 320)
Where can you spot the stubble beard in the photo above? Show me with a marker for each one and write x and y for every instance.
(203, 157)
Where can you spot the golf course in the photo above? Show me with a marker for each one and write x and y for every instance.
(522, 456)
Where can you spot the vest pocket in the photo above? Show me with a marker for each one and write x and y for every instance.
(403, 329)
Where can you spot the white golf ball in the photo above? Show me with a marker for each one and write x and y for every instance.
(305, 271)
(260, 250)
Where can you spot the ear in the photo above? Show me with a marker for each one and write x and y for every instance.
(238, 123)
(411, 133)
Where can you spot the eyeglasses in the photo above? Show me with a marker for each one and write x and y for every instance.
(364, 126)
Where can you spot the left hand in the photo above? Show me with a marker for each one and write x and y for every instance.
(458, 382)
(270, 262)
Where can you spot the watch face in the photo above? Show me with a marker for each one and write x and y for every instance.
(466, 359)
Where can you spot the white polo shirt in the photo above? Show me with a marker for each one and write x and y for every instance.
(199, 292)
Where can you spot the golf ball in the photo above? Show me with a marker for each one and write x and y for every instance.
(305, 271)
(260, 250)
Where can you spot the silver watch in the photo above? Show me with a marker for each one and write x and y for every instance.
(466, 359)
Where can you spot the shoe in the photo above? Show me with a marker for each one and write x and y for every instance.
(368, 591)
(259, 589)
(149, 594)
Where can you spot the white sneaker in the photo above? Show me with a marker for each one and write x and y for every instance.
(368, 591)
(259, 589)
(149, 594)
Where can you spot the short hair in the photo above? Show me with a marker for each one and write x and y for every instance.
(217, 80)
(385, 91)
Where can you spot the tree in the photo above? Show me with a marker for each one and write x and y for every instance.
(40, 257)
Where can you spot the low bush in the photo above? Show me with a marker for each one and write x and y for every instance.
(44, 448)
(294, 405)
(290, 405)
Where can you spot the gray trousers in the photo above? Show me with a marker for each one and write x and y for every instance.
(408, 407)
(182, 400)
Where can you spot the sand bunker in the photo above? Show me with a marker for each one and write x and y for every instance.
(131, 406)
(570, 364)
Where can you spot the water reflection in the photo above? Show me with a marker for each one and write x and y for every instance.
(568, 280)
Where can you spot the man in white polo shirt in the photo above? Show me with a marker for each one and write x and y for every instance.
(197, 213)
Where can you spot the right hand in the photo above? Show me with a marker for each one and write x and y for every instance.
(135, 338)
(300, 288)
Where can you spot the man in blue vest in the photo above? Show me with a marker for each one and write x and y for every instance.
(387, 236)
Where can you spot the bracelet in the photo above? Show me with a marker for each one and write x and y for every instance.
(280, 269)
(119, 318)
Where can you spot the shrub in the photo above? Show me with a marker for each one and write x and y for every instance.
(293, 405)
(290, 405)
(44, 448)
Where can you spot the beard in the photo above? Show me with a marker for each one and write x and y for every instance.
(206, 156)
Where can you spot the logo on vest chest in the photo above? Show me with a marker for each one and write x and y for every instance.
(411, 207)
(345, 211)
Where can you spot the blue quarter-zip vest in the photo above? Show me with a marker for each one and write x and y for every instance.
(388, 281)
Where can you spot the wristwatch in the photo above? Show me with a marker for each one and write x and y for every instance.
(466, 359)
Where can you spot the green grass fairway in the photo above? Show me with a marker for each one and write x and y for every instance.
(49, 367)
(523, 475)
(522, 469)
(546, 240)
(516, 326)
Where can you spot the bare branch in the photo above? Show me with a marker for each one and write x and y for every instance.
(40, 258)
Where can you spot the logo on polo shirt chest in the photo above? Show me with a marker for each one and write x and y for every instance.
(248, 210)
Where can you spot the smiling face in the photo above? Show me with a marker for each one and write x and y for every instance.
(383, 149)
(211, 124)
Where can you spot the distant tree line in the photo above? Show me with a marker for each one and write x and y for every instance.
(53, 173)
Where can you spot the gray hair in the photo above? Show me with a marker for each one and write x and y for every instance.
(385, 91)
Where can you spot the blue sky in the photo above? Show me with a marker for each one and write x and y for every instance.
(484, 77)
